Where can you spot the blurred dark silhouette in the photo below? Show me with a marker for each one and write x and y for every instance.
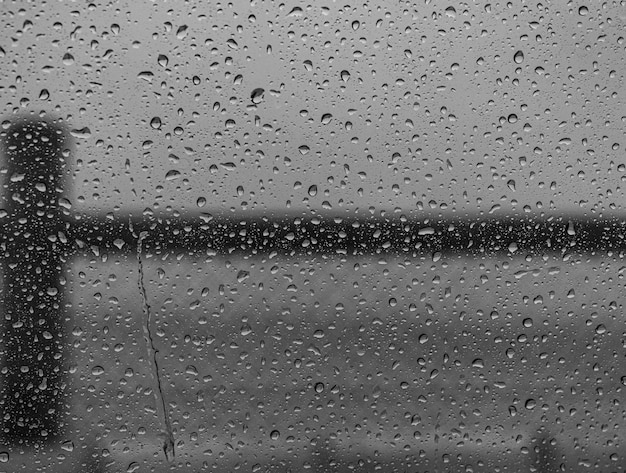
(39, 236)
(33, 377)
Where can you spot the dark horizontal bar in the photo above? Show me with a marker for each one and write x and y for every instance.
(350, 236)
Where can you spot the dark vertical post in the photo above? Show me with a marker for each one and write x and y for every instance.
(32, 375)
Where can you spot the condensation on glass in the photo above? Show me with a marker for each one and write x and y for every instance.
(328, 237)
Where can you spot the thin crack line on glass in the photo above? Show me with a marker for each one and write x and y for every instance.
(168, 435)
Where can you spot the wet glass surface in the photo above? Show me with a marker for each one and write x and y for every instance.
(326, 237)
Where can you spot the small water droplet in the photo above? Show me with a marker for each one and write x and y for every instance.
(304, 149)
(201, 202)
(319, 387)
(232, 44)
(530, 404)
(518, 57)
(312, 190)
(274, 434)
(356, 25)
(326, 118)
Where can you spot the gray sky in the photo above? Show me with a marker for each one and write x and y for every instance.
(436, 111)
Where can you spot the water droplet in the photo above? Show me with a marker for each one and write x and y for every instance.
(44, 94)
(527, 322)
(68, 59)
(296, 11)
(511, 184)
(582, 11)
(356, 25)
(81, 132)
(478, 363)
(600, 329)
(190, 369)
(313, 190)
(181, 32)
(530, 404)
(229, 166)
(68, 446)
(319, 387)
(518, 57)
(146, 75)
(326, 118)
(304, 149)
(155, 123)
(97, 370)
(201, 202)
(512, 118)
(232, 44)
(345, 75)
(172, 174)
(4, 457)
(163, 60)
(274, 434)
(257, 95)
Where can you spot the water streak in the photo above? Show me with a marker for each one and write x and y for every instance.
(167, 433)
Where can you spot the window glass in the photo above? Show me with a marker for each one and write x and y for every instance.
(274, 236)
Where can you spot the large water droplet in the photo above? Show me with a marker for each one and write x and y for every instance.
(155, 123)
(518, 57)
(163, 60)
(172, 174)
(68, 59)
(257, 95)
(146, 75)
(345, 76)
(326, 118)
(181, 32)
